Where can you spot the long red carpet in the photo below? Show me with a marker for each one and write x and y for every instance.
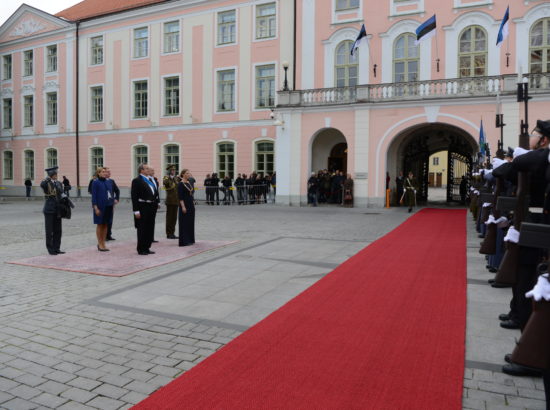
(384, 330)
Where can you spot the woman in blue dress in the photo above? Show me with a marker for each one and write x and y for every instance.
(103, 200)
(186, 210)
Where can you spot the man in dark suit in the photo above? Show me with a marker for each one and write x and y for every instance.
(157, 198)
(117, 199)
(53, 191)
(144, 194)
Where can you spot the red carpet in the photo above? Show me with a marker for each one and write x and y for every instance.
(122, 260)
(384, 330)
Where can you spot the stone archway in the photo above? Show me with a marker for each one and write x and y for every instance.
(411, 149)
(329, 150)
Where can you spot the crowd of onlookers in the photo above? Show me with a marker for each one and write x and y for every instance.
(255, 188)
(325, 187)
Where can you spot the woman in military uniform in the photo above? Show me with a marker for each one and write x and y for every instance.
(53, 191)
(409, 196)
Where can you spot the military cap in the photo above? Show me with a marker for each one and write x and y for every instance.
(543, 127)
(509, 153)
(51, 171)
(170, 167)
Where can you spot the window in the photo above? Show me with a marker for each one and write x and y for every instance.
(226, 27)
(265, 155)
(435, 160)
(51, 157)
(347, 65)
(8, 165)
(172, 156)
(226, 90)
(96, 44)
(96, 159)
(172, 37)
(6, 62)
(346, 4)
(141, 42)
(539, 44)
(405, 59)
(51, 58)
(97, 104)
(140, 99)
(29, 164)
(27, 62)
(7, 114)
(472, 57)
(51, 102)
(265, 86)
(226, 159)
(140, 156)
(266, 21)
(28, 102)
(171, 96)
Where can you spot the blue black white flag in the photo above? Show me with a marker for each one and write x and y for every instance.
(361, 38)
(482, 140)
(503, 30)
(426, 30)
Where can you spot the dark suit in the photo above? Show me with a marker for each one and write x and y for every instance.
(144, 201)
(117, 198)
(52, 195)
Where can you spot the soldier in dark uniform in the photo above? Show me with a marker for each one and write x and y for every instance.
(410, 191)
(170, 183)
(144, 193)
(53, 191)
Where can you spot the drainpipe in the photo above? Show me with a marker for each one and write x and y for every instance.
(77, 125)
(294, 51)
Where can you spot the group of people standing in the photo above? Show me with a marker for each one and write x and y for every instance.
(253, 189)
(330, 187)
(517, 261)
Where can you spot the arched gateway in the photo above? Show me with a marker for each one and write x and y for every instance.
(411, 149)
(329, 150)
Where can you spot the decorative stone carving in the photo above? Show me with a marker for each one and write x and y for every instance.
(27, 89)
(6, 92)
(50, 85)
(26, 28)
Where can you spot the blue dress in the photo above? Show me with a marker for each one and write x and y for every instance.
(104, 197)
(186, 220)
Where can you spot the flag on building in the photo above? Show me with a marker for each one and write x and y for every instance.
(361, 38)
(482, 140)
(426, 30)
(503, 30)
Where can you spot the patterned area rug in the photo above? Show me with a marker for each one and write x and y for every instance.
(122, 260)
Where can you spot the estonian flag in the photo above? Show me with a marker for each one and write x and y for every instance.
(503, 31)
(426, 30)
(482, 139)
(361, 38)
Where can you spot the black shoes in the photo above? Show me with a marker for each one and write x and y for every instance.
(410, 210)
(52, 253)
(110, 238)
(59, 252)
(510, 324)
(518, 370)
(143, 253)
(150, 252)
(172, 237)
(503, 317)
(500, 285)
(155, 241)
(493, 270)
(508, 358)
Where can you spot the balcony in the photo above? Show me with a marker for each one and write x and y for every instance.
(414, 91)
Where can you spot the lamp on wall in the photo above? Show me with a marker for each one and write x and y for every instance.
(285, 84)
(277, 121)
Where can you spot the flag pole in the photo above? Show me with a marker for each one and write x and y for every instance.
(370, 57)
(436, 51)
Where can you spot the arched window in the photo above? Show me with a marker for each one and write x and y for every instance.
(539, 47)
(265, 156)
(225, 159)
(472, 54)
(346, 65)
(141, 156)
(29, 165)
(51, 158)
(96, 159)
(172, 156)
(8, 164)
(405, 58)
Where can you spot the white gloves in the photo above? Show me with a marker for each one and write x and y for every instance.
(520, 151)
(487, 204)
(497, 162)
(512, 235)
(541, 289)
(499, 221)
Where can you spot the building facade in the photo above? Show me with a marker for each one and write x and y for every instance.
(193, 83)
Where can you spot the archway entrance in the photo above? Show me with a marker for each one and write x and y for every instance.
(329, 151)
(416, 150)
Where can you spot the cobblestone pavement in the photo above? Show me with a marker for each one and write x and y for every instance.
(77, 341)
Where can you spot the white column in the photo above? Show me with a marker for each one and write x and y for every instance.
(361, 160)
(308, 44)
(245, 76)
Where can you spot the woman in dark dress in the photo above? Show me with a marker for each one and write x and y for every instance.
(103, 200)
(186, 210)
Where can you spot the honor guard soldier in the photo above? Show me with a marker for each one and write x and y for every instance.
(53, 190)
(170, 183)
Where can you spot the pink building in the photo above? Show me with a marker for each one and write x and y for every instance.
(193, 83)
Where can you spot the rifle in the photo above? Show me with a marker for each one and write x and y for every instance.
(489, 244)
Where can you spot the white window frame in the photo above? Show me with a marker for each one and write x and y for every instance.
(395, 3)
(4, 115)
(12, 170)
(24, 164)
(357, 11)
(480, 3)
(24, 112)
(255, 66)
(90, 156)
(48, 69)
(47, 108)
(148, 42)
(216, 163)
(255, 19)
(91, 100)
(164, 162)
(163, 96)
(133, 153)
(235, 90)
(24, 66)
(4, 78)
(217, 28)
(91, 49)
(133, 107)
(179, 42)
(47, 150)
(255, 152)
(330, 45)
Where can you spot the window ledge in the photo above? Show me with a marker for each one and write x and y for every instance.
(339, 23)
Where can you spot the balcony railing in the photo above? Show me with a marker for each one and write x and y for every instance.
(414, 91)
